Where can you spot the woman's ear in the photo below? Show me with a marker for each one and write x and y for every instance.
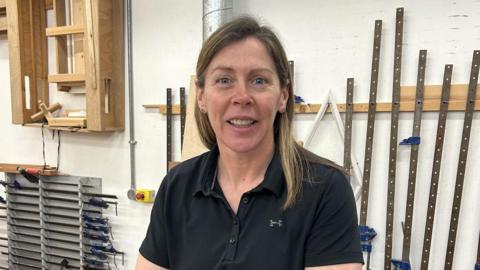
(200, 98)
(284, 99)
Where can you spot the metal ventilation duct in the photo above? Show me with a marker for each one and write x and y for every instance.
(215, 13)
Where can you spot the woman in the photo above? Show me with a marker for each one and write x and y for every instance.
(257, 199)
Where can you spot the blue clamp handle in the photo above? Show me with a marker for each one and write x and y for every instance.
(414, 140)
(299, 99)
(88, 218)
(366, 233)
(400, 265)
(367, 247)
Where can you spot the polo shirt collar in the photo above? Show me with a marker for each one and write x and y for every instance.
(274, 179)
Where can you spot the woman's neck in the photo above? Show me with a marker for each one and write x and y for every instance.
(244, 169)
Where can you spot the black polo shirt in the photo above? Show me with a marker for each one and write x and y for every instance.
(192, 226)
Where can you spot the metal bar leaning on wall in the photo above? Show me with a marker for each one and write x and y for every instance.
(367, 233)
(169, 127)
(393, 138)
(462, 160)
(183, 114)
(437, 161)
(408, 220)
(347, 149)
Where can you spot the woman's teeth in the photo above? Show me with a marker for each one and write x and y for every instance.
(241, 122)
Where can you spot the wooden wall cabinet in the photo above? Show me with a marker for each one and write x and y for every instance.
(89, 52)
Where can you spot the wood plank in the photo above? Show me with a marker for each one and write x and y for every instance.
(64, 30)
(15, 61)
(61, 50)
(27, 57)
(13, 168)
(67, 122)
(78, 15)
(104, 61)
(192, 145)
(431, 102)
(72, 129)
(118, 63)
(66, 78)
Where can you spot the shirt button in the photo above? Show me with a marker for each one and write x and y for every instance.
(235, 222)
(232, 240)
(245, 200)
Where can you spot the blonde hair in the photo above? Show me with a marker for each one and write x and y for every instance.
(294, 158)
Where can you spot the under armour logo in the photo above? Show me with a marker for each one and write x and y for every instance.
(278, 223)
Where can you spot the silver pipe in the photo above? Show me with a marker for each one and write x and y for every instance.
(132, 141)
(215, 13)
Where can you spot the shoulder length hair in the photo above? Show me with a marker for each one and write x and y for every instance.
(294, 158)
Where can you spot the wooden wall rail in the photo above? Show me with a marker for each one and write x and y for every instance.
(458, 95)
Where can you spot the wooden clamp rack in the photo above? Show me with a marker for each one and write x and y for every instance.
(407, 102)
(14, 168)
(89, 45)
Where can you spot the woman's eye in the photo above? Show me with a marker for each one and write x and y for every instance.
(224, 81)
(259, 81)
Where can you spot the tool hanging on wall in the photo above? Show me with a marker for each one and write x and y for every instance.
(392, 161)
(367, 233)
(462, 160)
(404, 263)
(183, 114)
(101, 203)
(347, 147)
(169, 127)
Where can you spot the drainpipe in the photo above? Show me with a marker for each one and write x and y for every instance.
(215, 13)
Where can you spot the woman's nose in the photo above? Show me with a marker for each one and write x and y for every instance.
(242, 95)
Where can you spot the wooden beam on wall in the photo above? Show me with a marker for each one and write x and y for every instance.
(458, 95)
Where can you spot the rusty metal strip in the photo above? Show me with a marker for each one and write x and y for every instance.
(371, 121)
(183, 114)
(367, 233)
(462, 160)
(437, 161)
(407, 228)
(291, 66)
(169, 126)
(347, 149)
(393, 138)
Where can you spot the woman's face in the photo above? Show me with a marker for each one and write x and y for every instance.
(242, 96)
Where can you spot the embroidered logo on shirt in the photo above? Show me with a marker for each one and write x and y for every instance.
(278, 223)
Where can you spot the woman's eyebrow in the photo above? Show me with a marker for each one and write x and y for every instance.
(222, 68)
(262, 70)
(231, 69)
